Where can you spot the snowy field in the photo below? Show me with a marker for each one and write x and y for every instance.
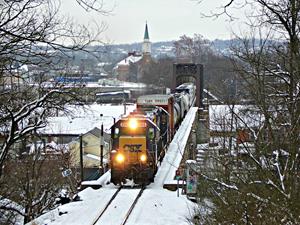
(84, 120)
(156, 205)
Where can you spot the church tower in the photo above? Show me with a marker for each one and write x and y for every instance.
(146, 47)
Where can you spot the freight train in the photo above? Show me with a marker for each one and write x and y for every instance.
(140, 140)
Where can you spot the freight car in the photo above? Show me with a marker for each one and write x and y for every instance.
(139, 140)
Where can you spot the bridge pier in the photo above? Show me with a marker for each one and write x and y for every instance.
(202, 126)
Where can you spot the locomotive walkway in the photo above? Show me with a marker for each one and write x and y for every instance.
(171, 161)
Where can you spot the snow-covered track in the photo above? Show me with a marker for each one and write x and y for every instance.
(133, 205)
(119, 208)
(107, 205)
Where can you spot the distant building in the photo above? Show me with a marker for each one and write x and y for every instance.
(127, 69)
(15, 77)
(133, 66)
(91, 148)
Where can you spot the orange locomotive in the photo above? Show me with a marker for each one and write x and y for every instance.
(137, 146)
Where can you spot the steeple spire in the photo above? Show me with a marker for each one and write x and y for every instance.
(146, 34)
(146, 46)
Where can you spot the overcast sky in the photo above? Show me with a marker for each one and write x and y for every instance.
(167, 19)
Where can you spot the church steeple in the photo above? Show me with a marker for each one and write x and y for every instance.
(146, 47)
(146, 34)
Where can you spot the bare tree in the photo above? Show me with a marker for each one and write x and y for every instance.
(219, 74)
(34, 183)
(159, 72)
(34, 38)
(193, 49)
(263, 184)
(33, 33)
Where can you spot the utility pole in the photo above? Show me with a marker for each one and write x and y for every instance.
(124, 103)
(101, 147)
(101, 150)
(81, 158)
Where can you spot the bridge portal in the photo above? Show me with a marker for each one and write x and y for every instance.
(189, 72)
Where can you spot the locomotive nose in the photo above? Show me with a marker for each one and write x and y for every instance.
(133, 149)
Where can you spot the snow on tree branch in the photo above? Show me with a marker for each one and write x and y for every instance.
(215, 180)
(29, 118)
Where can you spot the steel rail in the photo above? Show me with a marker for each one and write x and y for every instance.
(107, 205)
(133, 205)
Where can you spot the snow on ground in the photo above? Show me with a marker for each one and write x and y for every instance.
(156, 205)
(103, 180)
(115, 83)
(161, 207)
(83, 121)
(80, 212)
(221, 117)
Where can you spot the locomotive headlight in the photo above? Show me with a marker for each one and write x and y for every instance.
(143, 158)
(133, 124)
(120, 158)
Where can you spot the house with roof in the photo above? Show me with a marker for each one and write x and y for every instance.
(133, 66)
(91, 142)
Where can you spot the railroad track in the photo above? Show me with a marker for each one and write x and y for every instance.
(119, 207)
(133, 205)
(107, 205)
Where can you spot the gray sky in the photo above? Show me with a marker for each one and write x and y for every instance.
(167, 19)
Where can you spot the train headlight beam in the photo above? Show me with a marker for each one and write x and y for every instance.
(143, 158)
(120, 158)
(133, 124)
